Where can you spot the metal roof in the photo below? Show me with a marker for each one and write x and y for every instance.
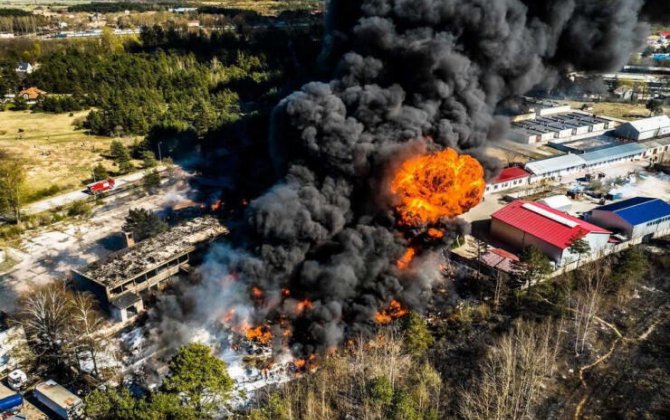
(652, 123)
(558, 163)
(611, 153)
(58, 394)
(510, 174)
(552, 226)
(638, 210)
(557, 201)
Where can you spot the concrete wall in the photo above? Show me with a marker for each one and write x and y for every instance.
(520, 239)
(85, 284)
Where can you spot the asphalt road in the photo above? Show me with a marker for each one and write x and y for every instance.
(70, 197)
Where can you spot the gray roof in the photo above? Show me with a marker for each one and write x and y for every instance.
(151, 253)
(649, 124)
(554, 164)
(616, 152)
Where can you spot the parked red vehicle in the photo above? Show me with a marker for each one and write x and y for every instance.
(101, 186)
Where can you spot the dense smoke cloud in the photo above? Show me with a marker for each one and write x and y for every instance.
(411, 75)
(656, 11)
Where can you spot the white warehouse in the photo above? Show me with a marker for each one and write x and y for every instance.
(645, 129)
(637, 217)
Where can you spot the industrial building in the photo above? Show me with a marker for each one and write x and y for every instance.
(645, 129)
(556, 166)
(557, 202)
(657, 149)
(616, 154)
(559, 128)
(571, 163)
(508, 178)
(535, 107)
(523, 223)
(119, 281)
(639, 217)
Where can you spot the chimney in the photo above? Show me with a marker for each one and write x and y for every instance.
(129, 239)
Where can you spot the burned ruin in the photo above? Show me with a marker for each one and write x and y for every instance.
(120, 280)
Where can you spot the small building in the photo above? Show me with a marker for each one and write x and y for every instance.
(645, 129)
(120, 280)
(616, 154)
(24, 68)
(557, 202)
(508, 178)
(556, 166)
(499, 260)
(657, 149)
(62, 402)
(639, 217)
(523, 223)
(31, 94)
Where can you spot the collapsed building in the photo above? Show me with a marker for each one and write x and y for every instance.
(120, 280)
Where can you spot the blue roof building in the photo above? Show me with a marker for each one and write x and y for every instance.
(636, 217)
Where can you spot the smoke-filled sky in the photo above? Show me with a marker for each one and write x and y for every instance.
(409, 77)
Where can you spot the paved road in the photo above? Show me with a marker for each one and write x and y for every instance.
(67, 198)
(49, 253)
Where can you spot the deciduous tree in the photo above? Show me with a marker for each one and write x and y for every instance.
(12, 178)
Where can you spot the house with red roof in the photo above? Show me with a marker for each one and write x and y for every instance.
(524, 223)
(508, 178)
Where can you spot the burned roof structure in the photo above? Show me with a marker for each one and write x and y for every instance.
(118, 279)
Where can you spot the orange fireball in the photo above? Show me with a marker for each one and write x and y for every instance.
(438, 185)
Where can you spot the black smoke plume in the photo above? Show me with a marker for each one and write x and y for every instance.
(409, 76)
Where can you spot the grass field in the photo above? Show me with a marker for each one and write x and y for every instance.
(624, 111)
(265, 7)
(57, 156)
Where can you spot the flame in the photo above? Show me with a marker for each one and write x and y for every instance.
(256, 293)
(393, 311)
(260, 334)
(435, 233)
(228, 316)
(406, 259)
(438, 185)
(304, 304)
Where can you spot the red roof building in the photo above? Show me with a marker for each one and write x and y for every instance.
(508, 178)
(524, 223)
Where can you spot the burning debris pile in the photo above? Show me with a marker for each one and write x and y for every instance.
(377, 164)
